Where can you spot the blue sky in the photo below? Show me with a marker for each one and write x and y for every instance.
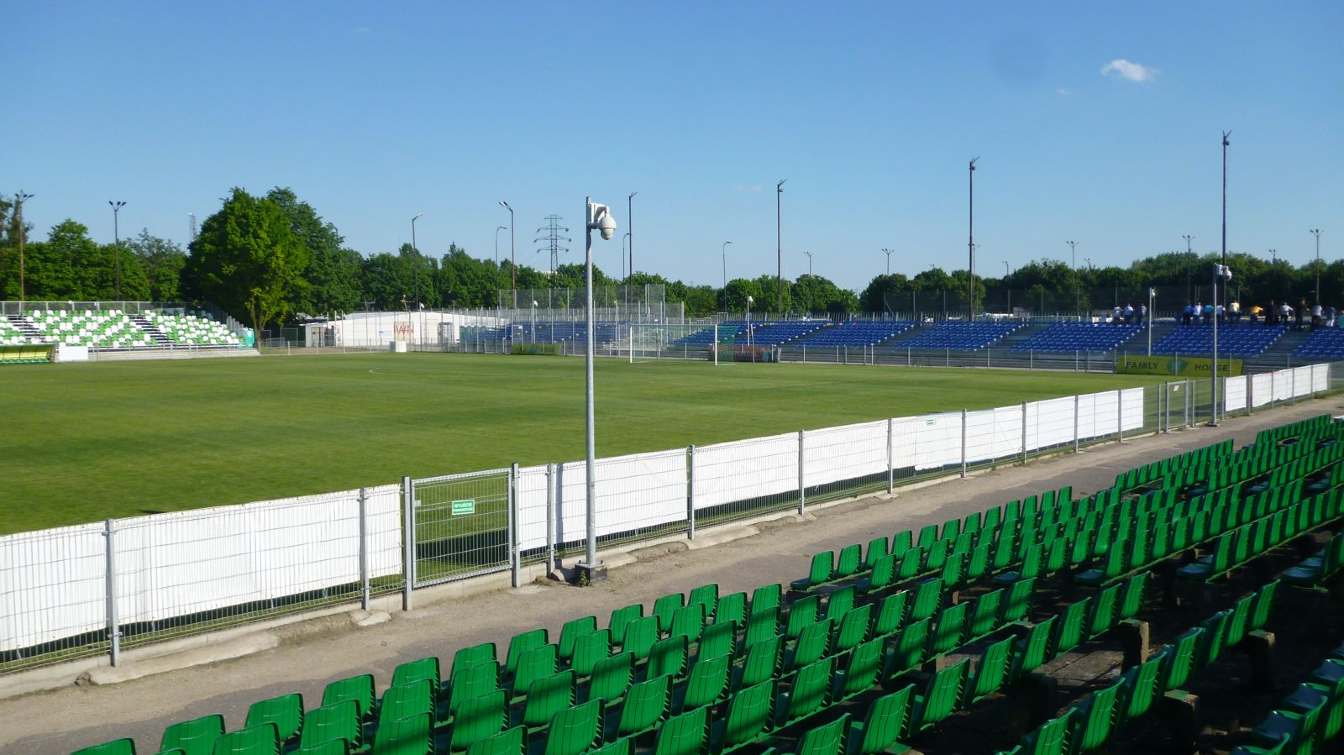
(372, 112)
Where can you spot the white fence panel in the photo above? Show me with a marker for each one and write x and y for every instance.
(979, 435)
(52, 585)
(531, 520)
(844, 453)
(1262, 389)
(904, 441)
(1050, 423)
(1007, 431)
(1320, 377)
(937, 440)
(1234, 393)
(635, 491)
(1302, 381)
(1131, 408)
(745, 469)
(1283, 385)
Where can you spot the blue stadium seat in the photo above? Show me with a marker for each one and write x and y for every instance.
(1240, 340)
(858, 333)
(777, 333)
(1080, 336)
(1324, 344)
(960, 336)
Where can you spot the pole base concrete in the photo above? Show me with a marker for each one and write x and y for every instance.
(587, 574)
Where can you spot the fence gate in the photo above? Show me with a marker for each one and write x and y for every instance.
(462, 525)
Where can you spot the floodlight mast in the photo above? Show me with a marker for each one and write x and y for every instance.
(970, 240)
(779, 246)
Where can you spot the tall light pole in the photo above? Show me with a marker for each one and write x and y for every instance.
(970, 239)
(116, 240)
(1219, 271)
(19, 198)
(809, 263)
(630, 223)
(1189, 286)
(624, 239)
(888, 252)
(723, 252)
(513, 253)
(1317, 233)
(1073, 253)
(596, 217)
(1273, 256)
(498, 228)
(1073, 265)
(414, 218)
(779, 247)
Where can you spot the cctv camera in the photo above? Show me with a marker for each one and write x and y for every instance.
(607, 226)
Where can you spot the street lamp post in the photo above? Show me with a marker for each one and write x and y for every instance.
(19, 198)
(414, 218)
(630, 223)
(1006, 288)
(596, 217)
(1152, 302)
(1317, 233)
(779, 247)
(809, 263)
(498, 228)
(1073, 265)
(116, 240)
(888, 252)
(624, 239)
(970, 239)
(1220, 271)
(513, 253)
(1273, 256)
(723, 252)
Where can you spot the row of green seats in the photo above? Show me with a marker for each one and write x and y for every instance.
(1309, 719)
(1088, 724)
(1235, 548)
(1325, 565)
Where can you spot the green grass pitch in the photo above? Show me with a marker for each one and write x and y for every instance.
(86, 442)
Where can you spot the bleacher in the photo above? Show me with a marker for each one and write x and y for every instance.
(1239, 340)
(884, 643)
(857, 333)
(190, 330)
(960, 336)
(776, 333)
(103, 329)
(1079, 336)
(1323, 344)
(705, 336)
(12, 336)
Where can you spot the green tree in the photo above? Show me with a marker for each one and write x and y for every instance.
(333, 271)
(886, 293)
(248, 261)
(813, 294)
(162, 261)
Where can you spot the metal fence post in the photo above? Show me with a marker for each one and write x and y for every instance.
(963, 443)
(802, 490)
(407, 541)
(891, 482)
(1119, 416)
(550, 517)
(363, 549)
(1024, 432)
(110, 586)
(513, 523)
(1250, 394)
(1189, 402)
(1075, 423)
(690, 492)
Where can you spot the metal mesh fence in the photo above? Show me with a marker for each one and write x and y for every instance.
(462, 525)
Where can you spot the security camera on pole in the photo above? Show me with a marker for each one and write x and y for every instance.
(597, 218)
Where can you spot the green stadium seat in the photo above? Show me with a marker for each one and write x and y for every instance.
(640, 636)
(732, 607)
(358, 689)
(545, 697)
(405, 700)
(688, 622)
(884, 726)
(801, 614)
(621, 618)
(861, 672)
(992, 670)
(472, 655)
(519, 645)
(1018, 603)
(853, 627)
(255, 740)
(472, 681)
(840, 601)
(911, 645)
(115, 747)
(928, 599)
(285, 711)
(950, 629)
(645, 706)
(1071, 626)
(828, 739)
(1097, 713)
(719, 639)
(665, 607)
(813, 643)
(1032, 650)
(1141, 688)
(329, 747)
(622, 746)
(705, 596)
(194, 737)
(941, 697)
(668, 658)
(413, 671)
(576, 730)
(532, 665)
(612, 677)
(1054, 737)
(810, 692)
(891, 614)
(508, 742)
(571, 632)
(707, 684)
(762, 661)
(747, 718)
(819, 573)
(339, 720)
(589, 650)
(683, 734)
(985, 619)
(477, 719)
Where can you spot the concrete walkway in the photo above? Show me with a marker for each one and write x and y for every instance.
(310, 654)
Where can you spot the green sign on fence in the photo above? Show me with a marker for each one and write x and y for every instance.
(464, 506)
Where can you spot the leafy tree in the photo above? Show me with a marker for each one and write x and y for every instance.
(163, 261)
(886, 293)
(248, 260)
(814, 294)
(333, 271)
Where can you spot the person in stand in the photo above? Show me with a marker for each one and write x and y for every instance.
(1285, 314)
(1187, 314)
(1234, 312)
(1301, 312)
(1129, 314)
(1329, 316)
(1317, 315)
(1143, 313)
(1255, 313)
(1208, 313)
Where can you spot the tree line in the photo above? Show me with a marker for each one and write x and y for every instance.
(270, 259)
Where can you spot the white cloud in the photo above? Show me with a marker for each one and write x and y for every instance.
(1127, 69)
(1064, 92)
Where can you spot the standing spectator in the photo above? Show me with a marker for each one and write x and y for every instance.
(1285, 314)
(1220, 312)
(1254, 313)
(1187, 314)
(1317, 314)
(1115, 315)
(1129, 314)
(1143, 313)
(1329, 316)
(1234, 312)
(1207, 313)
(1301, 312)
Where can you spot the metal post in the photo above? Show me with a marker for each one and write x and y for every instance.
(1213, 372)
(963, 443)
(1119, 416)
(690, 492)
(407, 541)
(551, 486)
(1024, 432)
(363, 549)
(1250, 394)
(802, 490)
(590, 464)
(1164, 410)
(891, 483)
(716, 345)
(632, 344)
(110, 587)
(1075, 423)
(513, 523)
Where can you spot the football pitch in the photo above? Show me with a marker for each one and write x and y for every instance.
(86, 442)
